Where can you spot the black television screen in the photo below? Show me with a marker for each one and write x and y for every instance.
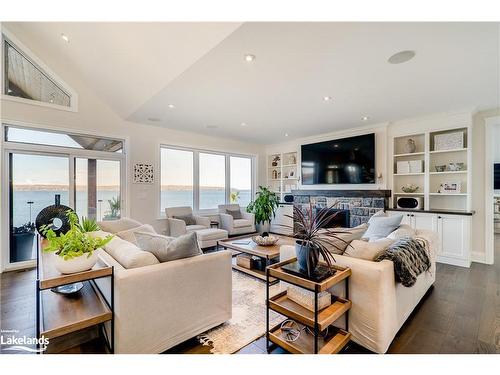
(497, 176)
(340, 161)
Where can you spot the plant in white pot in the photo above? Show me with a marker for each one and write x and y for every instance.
(264, 208)
(74, 250)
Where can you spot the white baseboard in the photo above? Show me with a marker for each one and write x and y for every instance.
(453, 261)
(478, 257)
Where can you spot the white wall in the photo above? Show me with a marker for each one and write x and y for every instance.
(95, 117)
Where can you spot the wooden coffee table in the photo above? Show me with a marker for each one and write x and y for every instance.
(267, 253)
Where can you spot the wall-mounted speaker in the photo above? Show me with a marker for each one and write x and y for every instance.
(288, 198)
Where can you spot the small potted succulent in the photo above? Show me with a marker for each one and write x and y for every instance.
(313, 238)
(75, 249)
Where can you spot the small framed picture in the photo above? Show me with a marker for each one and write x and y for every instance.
(450, 187)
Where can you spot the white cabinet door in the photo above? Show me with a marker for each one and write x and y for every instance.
(283, 224)
(454, 237)
(424, 221)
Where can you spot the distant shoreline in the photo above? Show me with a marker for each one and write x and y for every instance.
(108, 188)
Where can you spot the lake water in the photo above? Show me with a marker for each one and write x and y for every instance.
(41, 199)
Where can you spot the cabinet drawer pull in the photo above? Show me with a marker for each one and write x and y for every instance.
(439, 217)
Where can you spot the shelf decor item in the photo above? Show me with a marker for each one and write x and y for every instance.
(410, 188)
(449, 141)
(456, 167)
(74, 251)
(440, 168)
(410, 146)
(275, 161)
(450, 188)
(313, 239)
(55, 216)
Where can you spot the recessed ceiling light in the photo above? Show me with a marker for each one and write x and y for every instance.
(153, 119)
(65, 38)
(327, 98)
(171, 106)
(243, 124)
(286, 134)
(401, 57)
(249, 58)
(365, 118)
(212, 126)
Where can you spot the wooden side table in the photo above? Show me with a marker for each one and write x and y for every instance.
(58, 315)
(317, 320)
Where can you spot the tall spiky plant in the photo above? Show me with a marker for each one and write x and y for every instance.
(310, 229)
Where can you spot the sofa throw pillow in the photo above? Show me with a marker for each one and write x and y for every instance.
(403, 231)
(128, 235)
(367, 250)
(188, 219)
(346, 235)
(380, 226)
(114, 226)
(236, 214)
(166, 249)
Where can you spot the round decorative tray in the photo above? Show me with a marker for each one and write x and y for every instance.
(265, 241)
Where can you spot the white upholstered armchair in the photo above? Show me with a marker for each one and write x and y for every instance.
(244, 222)
(178, 227)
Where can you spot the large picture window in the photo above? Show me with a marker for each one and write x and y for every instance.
(203, 179)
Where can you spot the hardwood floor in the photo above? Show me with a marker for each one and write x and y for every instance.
(460, 314)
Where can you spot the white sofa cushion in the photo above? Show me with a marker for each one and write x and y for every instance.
(126, 253)
(128, 235)
(240, 223)
(113, 226)
(166, 249)
(192, 228)
(211, 234)
(403, 231)
(346, 235)
(367, 250)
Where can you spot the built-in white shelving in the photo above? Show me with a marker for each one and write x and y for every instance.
(430, 156)
(282, 173)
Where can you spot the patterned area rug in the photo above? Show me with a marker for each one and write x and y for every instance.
(249, 317)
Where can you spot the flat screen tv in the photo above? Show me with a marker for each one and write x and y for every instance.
(497, 176)
(340, 161)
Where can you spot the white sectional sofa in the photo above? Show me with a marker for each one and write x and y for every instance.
(159, 305)
(380, 306)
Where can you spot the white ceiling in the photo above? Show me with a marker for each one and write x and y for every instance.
(138, 69)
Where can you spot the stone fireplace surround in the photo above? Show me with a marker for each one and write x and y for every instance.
(361, 204)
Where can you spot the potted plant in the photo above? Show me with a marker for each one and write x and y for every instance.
(114, 209)
(313, 238)
(75, 249)
(235, 195)
(264, 208)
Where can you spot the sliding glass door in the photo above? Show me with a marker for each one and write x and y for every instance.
(34, 182)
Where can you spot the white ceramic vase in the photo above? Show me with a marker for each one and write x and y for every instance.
(78, 264)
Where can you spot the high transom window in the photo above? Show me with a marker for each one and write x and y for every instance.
(23, 78)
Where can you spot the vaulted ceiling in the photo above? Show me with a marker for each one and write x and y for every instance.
(139, 69)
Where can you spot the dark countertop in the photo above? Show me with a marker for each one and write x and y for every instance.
(436, 211)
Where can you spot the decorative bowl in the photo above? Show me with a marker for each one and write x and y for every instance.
(456, 166)
(409, 188)
(440, 168)
(265, 241)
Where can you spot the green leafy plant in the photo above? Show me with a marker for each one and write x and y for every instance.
(264, 206)
(73, 243)
(88, 225)
(235, 195)
(114, 208)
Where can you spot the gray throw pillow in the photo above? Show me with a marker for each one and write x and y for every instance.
(166, 248)
(236, 214)
(380, 226)
(188, 219)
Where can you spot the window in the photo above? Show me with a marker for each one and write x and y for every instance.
(26, 79)
(241, 180)
(176, 178)
(203, 179)
(49, 138)
(212, 180)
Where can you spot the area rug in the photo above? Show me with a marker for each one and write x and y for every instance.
(249, 317)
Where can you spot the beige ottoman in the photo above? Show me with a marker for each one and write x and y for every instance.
(209, 237)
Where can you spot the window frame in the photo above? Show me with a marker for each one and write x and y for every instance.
(39, 64)
(196, 174)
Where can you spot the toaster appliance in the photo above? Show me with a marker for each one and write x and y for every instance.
(410, 203)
